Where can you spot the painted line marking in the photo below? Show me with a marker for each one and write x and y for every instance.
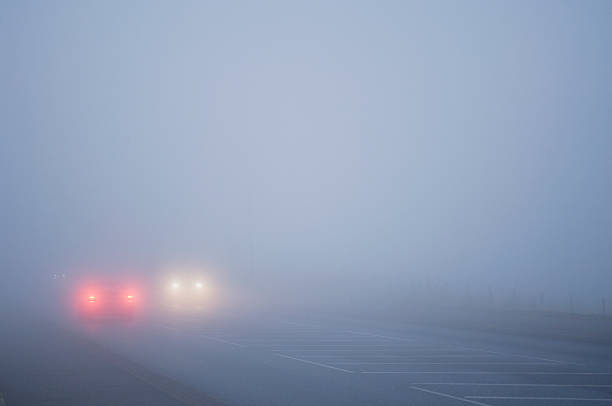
(315, 363)
(378, 357)
(483, 373)
(529, 357)
(555, 385)
(380, 336)
(325, 348)
(417, 357)
(446, 395)
(321, 341)
(297, 338)
(472, 349)
(539, 398)
(440, 363)
(505, 354)
(415, 351)
(221, 340)
(302, 325)
(338, 345)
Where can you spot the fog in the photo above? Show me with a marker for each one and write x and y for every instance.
(320, 155)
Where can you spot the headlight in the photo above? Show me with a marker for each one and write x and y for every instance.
(175, 285)
(198, 285)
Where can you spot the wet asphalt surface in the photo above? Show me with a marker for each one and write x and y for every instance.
(197, 360)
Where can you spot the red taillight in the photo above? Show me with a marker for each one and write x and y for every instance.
(92, 299)
(130, 298)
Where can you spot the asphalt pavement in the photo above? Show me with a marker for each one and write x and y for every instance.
(264, 360)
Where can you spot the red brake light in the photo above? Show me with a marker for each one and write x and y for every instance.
(92, 298)
(130, 298)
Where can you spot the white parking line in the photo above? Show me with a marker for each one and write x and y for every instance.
(293, 338)
(539, 398)
(385, 349)
(330, 347)
(440, 363)
(383, 357)
(555, 385)
(380, 336)
(424, 357)
(505, 354)
(315, 363)
(446, 395)
(300, 339)
(484, 373)
(470, 348)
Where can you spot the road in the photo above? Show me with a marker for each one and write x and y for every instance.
(305, 361)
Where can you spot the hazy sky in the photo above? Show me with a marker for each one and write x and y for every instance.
(458, 141)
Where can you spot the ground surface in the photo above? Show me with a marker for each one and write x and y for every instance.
(294, 361)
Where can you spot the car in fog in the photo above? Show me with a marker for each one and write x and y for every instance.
(109, 301)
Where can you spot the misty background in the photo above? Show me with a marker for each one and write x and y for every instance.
(314, 152)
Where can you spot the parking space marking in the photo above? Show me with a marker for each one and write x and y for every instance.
(326, 347)
(416, 357)
(315, 363)
(438, 363)
(385, 349)
(365, 357)
(505, 354)
(540, 398)
(362, 352)
(484, 373)
(371, 354)
(298, 340)
(560, 385)
(469, 348)
(303, 325)
(446, 395)
(380, 336)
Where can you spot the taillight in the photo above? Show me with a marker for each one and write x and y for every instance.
(92, 299)
(130, 298)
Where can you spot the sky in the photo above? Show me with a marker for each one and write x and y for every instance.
(325, 147)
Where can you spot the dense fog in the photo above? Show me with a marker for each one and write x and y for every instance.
(329, 156)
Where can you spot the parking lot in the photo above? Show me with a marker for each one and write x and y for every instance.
(447, 372)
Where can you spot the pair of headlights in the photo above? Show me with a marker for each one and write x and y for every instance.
(177, 285)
